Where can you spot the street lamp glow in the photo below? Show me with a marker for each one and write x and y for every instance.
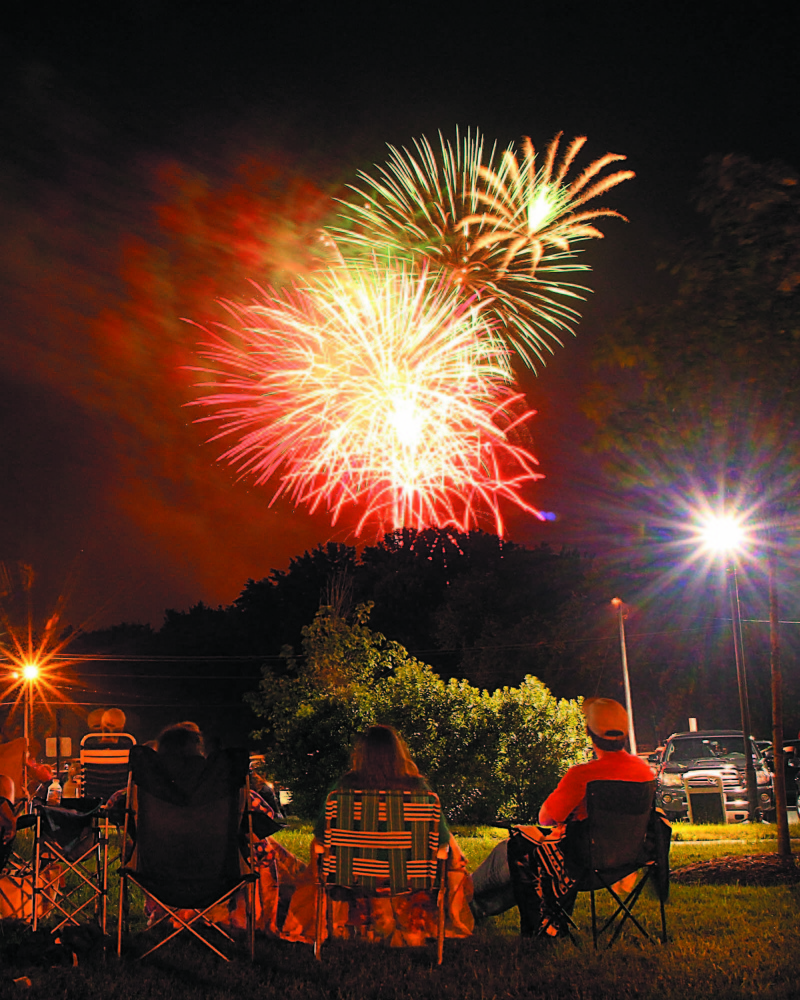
(30, 671)
(724, 534)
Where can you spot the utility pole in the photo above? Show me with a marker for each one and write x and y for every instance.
(779, 778)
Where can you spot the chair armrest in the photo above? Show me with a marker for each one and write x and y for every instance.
(443, 852)
(316, 847)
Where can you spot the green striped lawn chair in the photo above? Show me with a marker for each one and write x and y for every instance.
(381, 844)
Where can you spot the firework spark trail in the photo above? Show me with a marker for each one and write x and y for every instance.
(532, 209)
(376, 386)
(455, 212)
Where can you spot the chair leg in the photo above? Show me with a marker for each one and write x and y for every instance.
(442, 901)
(251, 920)
(625, 908)
(320, 918)
(594, 919)
(122, 915)
(663, 922)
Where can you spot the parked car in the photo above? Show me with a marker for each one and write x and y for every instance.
(791, 768)
(721, 750)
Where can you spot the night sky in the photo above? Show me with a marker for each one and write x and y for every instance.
(107, 487)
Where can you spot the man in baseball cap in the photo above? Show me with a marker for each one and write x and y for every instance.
(607, 728)
(513, 873)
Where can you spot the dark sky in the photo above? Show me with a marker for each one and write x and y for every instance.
(106, 485)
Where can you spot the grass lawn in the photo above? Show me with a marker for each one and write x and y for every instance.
(725, 941)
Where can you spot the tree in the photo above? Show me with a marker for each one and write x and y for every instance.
(715, 372)
(350, 677)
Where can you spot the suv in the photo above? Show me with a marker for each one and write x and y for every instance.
(711, 750)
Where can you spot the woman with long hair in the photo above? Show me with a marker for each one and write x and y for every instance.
(381, 761)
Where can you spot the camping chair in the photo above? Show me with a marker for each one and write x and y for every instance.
(16, 864)
(105, 763)
(626, 837)
(70, 863)
(705, 797)
(381, 844)
(187, 817)
(16, 871)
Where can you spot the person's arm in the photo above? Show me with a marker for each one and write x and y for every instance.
(567, 797)
(42, 772)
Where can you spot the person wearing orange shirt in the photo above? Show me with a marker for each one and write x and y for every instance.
(541, 864)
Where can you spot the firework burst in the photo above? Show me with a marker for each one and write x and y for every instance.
(376, 386)
(477, 225)
(531, 209)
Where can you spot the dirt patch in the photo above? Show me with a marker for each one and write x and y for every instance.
(748, 869)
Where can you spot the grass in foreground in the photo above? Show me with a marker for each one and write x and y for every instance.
(725, 941)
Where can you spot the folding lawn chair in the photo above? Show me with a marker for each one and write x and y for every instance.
(381, 844)
(70, 863)
(626, 837)
(104, 763)
(189, 819)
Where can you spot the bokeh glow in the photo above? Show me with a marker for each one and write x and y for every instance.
(724, 534)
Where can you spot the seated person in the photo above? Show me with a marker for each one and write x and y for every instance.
(184, 745)
(112, 722)
(182, 739)
(381, 761)
(536, 865)
(39, 775)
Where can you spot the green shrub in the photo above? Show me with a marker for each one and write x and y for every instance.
(487, 755)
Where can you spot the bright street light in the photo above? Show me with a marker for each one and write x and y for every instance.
(726, 535)
(30, 671)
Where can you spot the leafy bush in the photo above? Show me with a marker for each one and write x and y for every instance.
(487, 755)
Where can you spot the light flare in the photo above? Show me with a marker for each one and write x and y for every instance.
(30, 662)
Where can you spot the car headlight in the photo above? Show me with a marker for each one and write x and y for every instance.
(763, 777)
(669, 780)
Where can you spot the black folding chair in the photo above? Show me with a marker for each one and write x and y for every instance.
(627, 836)
(70, 863)
(189, 819)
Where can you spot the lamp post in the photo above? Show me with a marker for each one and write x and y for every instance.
(619, 605)
(725, 534)
(30, 672)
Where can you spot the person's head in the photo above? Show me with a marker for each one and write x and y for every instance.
(381, 760)
(183, 739)
(95, 720)
(606, 723)
(113, 721)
